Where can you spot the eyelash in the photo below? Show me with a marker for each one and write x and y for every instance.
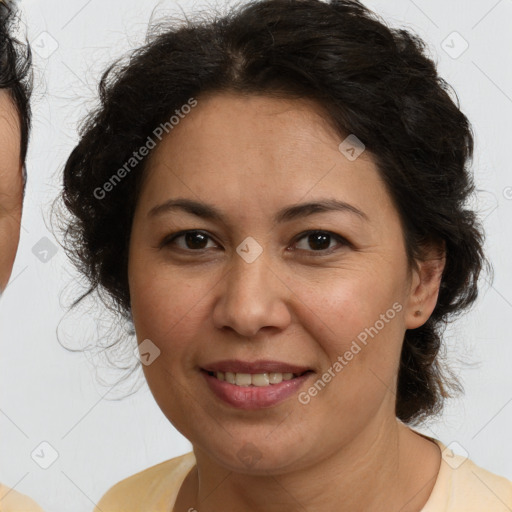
(169, 239)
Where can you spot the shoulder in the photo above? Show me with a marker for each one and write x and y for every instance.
(477, 487)
(464, 486)
(12, 501)
(154, 487)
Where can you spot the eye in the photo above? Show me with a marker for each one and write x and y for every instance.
(316, 241)
(320, 241)
(193, 240)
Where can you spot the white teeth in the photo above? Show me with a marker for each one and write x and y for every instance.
(243, 379)
(256, 379)
(275, 378)
(260, 379)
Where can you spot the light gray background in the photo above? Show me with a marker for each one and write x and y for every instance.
(50, 394)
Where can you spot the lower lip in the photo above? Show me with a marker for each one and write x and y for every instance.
(254, 397)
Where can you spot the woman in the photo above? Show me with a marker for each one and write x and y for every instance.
(15, 126)
(317, 161)
(15, 91)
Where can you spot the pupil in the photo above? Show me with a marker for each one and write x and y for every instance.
(323, 238)
(191, 237)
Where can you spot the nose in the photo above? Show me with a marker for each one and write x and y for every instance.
(252, 297)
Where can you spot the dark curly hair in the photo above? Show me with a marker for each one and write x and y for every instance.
(15, 71)
(373, 81)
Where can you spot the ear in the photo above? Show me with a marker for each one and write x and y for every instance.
(424, 285)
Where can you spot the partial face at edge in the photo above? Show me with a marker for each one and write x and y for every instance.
(11, 186)
(304, 300)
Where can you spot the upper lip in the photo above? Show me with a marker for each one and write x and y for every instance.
(259, 366)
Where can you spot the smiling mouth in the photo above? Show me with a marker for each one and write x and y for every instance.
(254, 379)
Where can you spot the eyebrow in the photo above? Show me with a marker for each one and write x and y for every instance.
(286, 214)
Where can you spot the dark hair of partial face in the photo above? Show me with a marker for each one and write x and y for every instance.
(15, 70)
(371, 80)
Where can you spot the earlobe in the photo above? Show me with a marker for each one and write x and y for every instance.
(425, 287)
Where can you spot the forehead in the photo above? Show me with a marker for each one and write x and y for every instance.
(256, 138)
(256, 153)
(233, 123)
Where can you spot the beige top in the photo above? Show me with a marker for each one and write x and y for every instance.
(461, 486)
(12, 501)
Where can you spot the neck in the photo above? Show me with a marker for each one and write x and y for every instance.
(385, 468)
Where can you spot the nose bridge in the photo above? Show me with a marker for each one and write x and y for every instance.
(249, 277)
(252, 297)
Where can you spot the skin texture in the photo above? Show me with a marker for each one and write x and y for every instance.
(11, 200)
(250, 156)
(11, 186)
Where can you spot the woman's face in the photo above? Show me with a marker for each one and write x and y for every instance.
(11, 186)
(255, 284)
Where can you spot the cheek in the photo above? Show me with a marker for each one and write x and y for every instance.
(163, 306)
(9, 234)
(358, 324)
(348, 308)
